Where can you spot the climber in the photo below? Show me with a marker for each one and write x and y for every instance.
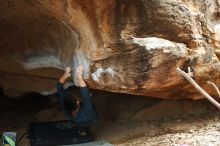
(82, 114)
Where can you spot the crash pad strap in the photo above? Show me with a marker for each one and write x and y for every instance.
(96, 143)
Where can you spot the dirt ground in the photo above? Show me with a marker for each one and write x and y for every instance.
(203, 131)
(191, 130)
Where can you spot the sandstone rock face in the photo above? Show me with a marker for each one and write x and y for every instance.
(131, 46)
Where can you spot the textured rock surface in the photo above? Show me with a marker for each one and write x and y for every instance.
(129, 46)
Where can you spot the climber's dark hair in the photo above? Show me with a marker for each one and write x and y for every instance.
(70, 101)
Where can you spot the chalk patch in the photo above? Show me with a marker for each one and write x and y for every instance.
(97, 74)
(80, 58)
(217, 31)
(43, 61)
(152, 43)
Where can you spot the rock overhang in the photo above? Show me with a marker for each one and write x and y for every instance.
(125, 46)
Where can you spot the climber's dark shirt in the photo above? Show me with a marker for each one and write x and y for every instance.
(86, 114)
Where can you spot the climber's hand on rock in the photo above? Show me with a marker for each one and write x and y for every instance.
(79, 76)
(79, 71)
(67, 73)
(67, 69)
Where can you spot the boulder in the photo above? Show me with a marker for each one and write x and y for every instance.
(131, 46)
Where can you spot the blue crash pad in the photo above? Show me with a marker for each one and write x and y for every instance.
(57, 133)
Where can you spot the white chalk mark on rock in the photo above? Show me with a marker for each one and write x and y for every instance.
(97, 74)
(153, 43)
(43, 61)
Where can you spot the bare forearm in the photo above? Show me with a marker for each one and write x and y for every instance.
(81, 82)
(79, 76)
(63, 79)
(66, 75)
